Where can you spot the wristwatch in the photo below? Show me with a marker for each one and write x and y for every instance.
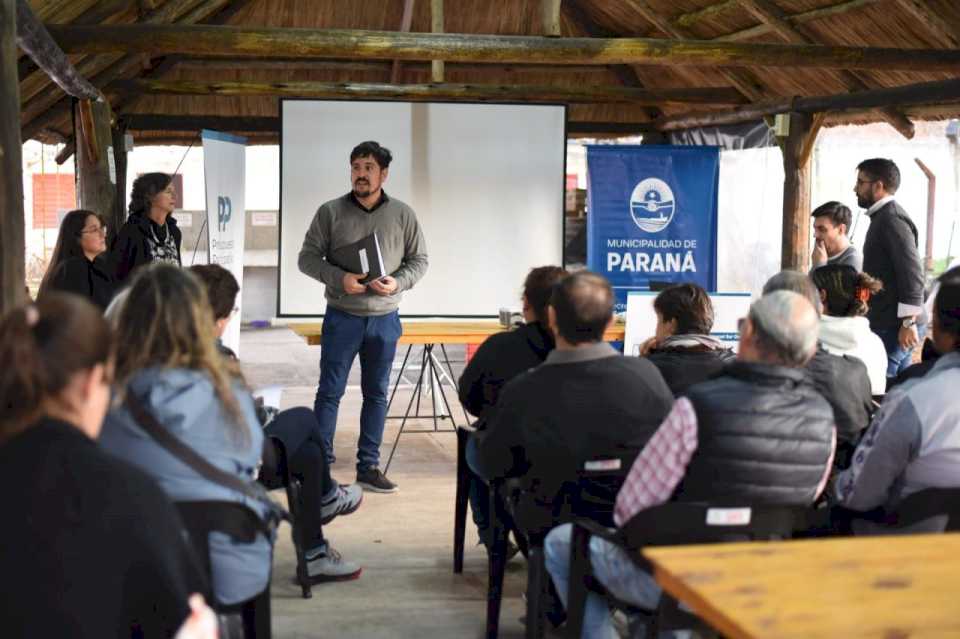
(908, 322)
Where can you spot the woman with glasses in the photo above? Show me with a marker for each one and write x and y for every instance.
(79, 263)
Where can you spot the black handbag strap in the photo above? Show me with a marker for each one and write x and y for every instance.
(192, 458)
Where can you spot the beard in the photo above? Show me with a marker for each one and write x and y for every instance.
(362, 189)
(865, 201)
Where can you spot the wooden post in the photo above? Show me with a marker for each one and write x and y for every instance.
(118, 133)
(550, 14)
(12, 239)
(797, 149)
(96, 172)
(436, 26)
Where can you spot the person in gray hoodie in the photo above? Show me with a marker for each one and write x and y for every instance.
(168, 361)
(361, 318)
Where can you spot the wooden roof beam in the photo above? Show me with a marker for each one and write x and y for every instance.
(794, 19)
(771, 15)
(924, 93)
(482, 92)
(746, 82)
(33, 38)
(314, 43)
(406, 21)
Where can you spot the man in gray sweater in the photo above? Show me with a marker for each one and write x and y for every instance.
(362, 318)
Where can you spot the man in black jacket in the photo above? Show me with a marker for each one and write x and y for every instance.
(585, 400)
(498, 360)
(890, 255)
(842, 380)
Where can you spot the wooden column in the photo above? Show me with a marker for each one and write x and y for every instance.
(12, 242)
(550, 14)
(436, 22)
(118, 133)
(797, 148)
(96, 173)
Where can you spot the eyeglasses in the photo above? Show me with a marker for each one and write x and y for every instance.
(102, 230)
(859, 181)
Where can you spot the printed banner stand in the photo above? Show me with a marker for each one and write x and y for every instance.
(728, 308)
(224, 172)
(652, 217)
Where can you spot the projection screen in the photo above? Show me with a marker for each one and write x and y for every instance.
(486, 182)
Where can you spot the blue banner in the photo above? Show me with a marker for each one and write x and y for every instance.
(652, 215)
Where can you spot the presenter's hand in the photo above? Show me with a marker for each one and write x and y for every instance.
(819, 257)
(352, 285)
(386, 285)
(648, 346)
(908, 337)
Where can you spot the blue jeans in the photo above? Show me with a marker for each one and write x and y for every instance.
(343, 337)
(897, 358)
(479, 495)
(612, 567)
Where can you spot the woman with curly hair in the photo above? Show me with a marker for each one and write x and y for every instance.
(150, 233)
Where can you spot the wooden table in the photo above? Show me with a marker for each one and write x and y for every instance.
(884, 587)
(449, 332)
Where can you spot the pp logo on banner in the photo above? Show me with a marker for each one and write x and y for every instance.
(652, 205)
(224, 212)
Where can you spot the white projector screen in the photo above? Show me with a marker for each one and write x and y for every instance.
(485, 180)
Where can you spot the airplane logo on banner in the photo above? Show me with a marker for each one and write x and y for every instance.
(652, 205)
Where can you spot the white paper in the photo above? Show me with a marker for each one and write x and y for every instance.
(271, 395)
(364, 262)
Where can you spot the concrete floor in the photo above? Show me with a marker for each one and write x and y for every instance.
(403, 541)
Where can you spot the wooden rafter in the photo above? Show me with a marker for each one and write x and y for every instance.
(830, 11)
(946, 31)
(436, 26)
(406, 21)
(314, 43)
(480, 92)
(746, 82)
(770, 14)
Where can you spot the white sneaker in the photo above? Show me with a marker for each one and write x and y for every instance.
(331, 566)
(345, 500)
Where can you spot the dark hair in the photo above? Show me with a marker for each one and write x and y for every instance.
(583, 304)
(689, 305)
(372, 149)
(42, 346)
(847, 291)
(221, 285)
(837, 212)
(538, 287)
(947, 304)
(68, 242)
(796, 282)
(145, 188)
(882, 170)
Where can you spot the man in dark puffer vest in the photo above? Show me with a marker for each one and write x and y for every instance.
(759, 433)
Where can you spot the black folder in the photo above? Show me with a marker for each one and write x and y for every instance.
(362, 256)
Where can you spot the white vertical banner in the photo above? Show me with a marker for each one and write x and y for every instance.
(224, 172)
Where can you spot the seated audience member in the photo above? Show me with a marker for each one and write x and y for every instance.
(929, 354)
(842, 380)
(323, 498)
(90, 546)
(914, 440)
(78, 264)
(585, 400)
(498, 360)
(682, 349)
(844, 328)
(758, 433)
(150, 233)
(167, 364)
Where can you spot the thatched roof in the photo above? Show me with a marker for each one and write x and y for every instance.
(45, 111)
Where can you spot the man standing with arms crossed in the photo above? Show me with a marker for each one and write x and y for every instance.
(890, 255)
(362, 318)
